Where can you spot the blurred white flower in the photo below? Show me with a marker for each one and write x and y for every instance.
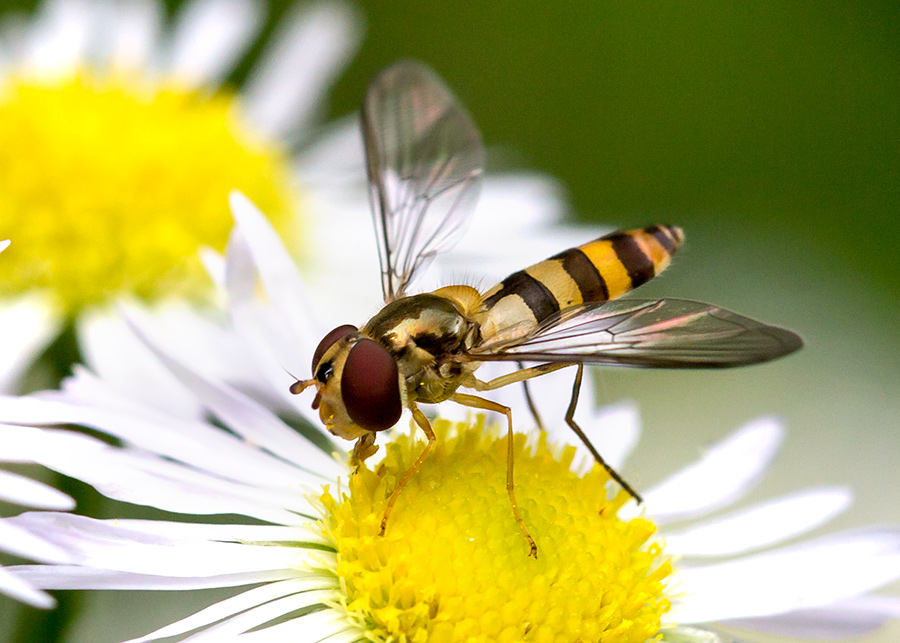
(313, 580)
(119, 142)
(134, 141)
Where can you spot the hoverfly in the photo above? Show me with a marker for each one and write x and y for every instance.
(424, 161)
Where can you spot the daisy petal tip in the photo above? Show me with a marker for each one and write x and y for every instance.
(59, 502)
(4, 244)
(214, 264)
(239, 201)
(842, 497)
(245, 212)
(341, 15)
(35, 598)
(769, 428)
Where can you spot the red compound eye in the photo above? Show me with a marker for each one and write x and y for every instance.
(370, 386)
(328, 340)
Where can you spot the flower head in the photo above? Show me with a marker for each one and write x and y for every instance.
(120, 140)
(452, 560)
(454, 567)
(134, 139)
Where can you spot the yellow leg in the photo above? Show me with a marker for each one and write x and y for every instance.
(543, 369)
(512, 378)
(480, 403)
(423, 423)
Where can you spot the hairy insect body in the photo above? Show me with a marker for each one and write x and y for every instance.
(597, 271)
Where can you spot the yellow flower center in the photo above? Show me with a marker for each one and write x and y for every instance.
(108, 187)
(454, 566)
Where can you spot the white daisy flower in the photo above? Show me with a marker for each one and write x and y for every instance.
(453, 564)
(118, 131)
(111, 120)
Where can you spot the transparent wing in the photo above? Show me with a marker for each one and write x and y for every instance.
(424, 160)
(664, 333)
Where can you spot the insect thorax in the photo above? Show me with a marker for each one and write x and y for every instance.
(427, 334)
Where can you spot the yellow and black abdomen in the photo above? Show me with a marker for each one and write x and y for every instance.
(603, 269)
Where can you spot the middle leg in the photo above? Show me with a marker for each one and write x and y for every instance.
(476, 402)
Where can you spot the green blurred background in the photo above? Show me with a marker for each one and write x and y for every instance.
(770, 131)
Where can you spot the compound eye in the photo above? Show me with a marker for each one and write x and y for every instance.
(370, 386)
(328, 340)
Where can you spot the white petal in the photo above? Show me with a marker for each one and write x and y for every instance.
(615, 430)
(134, 34)
(280, 361)
(851, 618)
(59, 37)
(247, 418)
(214, 264)
(276, 269)
(121, 360)
(210, 37)
(814, 574)
(145, 479)
(724, 474)
(199, 337)
(31, 493)
(761, 525)
(239, 603)
(263, 614)
(304, 58)
(29, 324)
(4, 245)
(104, 545)
(692, 635)
(298, 534)
(17, 588)
(202, 446)
(334, 160)
(72, 577)
(21, 542)
(19, 442)
(316, 627)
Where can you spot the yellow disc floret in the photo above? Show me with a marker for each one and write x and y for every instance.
(108, 187)
(454, 566)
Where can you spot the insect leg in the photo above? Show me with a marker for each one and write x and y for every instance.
(481, 403)
(364, 447)
(570, 420)
(531, 405)
(423, 423)
(512, 378)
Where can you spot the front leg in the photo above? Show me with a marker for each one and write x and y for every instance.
(364, 448)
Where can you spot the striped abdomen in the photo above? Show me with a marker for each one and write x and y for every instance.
(597, 271)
